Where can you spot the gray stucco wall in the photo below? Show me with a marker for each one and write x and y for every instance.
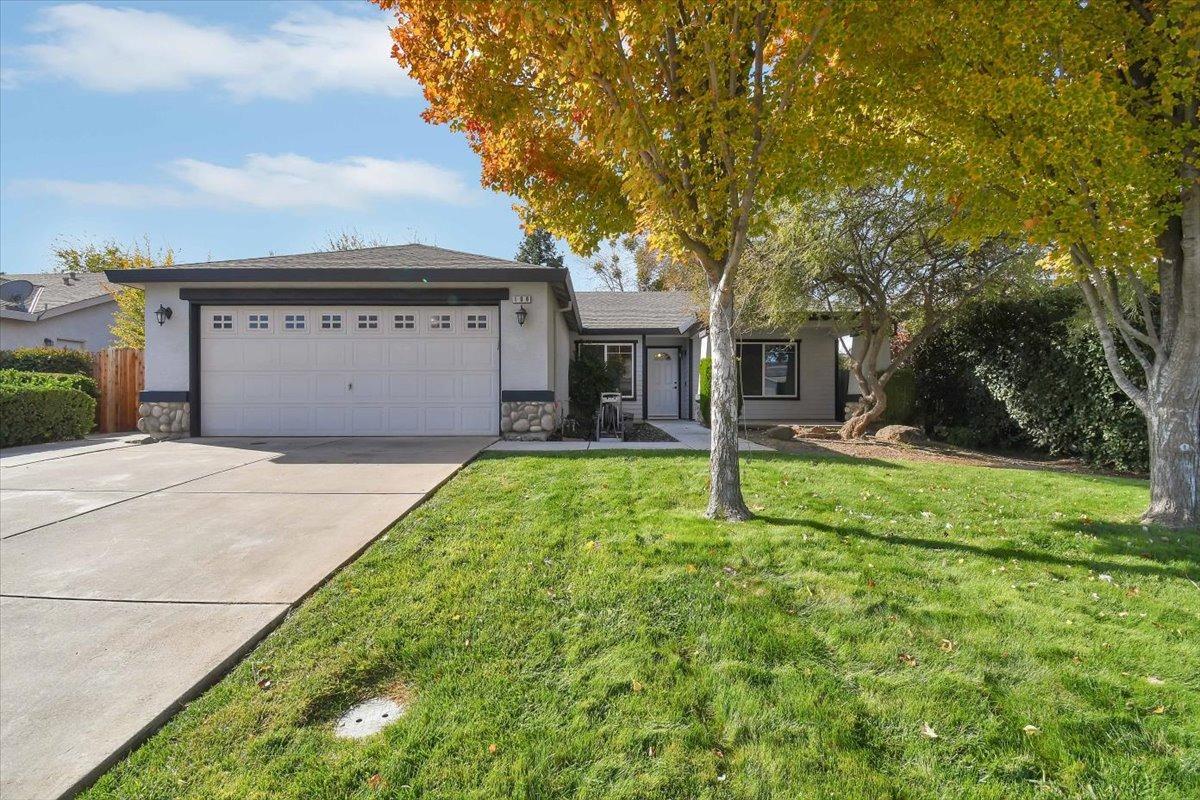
(87, 325)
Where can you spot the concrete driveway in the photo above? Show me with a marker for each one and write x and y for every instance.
(132, 576)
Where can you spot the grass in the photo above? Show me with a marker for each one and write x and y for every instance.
(570, 626)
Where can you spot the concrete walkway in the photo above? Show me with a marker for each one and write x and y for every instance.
(688, 436)
(133, 576)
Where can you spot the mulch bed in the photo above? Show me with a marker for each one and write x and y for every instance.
(645, 432)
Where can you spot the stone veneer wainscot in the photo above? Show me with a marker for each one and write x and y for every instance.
(528, 420)
(164, 418)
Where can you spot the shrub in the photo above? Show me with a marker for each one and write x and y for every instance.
(47, 359)
(588, 376)
(705, 393)
(82, 383)
(901, 393)
(34, 414)
(1040, 359)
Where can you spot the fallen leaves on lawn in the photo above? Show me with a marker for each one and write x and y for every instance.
(1158, 710)
(264, 684)
(946, 646)
(492, 748)
(907, 659)
(375, 781)
(637, 685)
(1154, 680)
(1031, 730)
(927, 731)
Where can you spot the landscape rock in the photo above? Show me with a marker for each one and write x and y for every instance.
(782, 432)
(901, 434)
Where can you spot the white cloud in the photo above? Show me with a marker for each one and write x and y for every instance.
(286, 181)
(309, 49)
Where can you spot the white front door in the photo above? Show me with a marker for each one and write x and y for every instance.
(662, 367)
(330, 370)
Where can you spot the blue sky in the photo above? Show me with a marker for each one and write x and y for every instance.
(225, 130)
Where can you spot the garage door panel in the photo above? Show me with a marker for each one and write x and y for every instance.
(295, 355)
(440, 354)
(260, 387)
(358, 371)
(334, 353)
(331, 386)
(478, 355)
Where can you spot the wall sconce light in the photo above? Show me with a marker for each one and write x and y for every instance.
(521, 315)
(162, 314)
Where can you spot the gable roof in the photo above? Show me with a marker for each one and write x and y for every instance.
(662, 312)
(402, 256)
(54, 290)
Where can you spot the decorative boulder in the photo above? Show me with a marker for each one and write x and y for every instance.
(901, 434)
(784, 433)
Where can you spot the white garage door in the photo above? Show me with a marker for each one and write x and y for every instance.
(349, 371)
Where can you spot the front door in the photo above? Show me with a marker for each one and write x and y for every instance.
(662, 400)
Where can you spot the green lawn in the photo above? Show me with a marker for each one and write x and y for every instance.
(571, 626)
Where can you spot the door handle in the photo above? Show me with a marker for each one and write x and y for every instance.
(350, 387)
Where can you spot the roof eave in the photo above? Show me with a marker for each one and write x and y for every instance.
(336, 274)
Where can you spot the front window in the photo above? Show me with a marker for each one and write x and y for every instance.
(259, 322)
(615, 353)
(768, 369)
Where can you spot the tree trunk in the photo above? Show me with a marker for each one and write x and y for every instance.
(874, 405)
(725, 481)
(1173, 393)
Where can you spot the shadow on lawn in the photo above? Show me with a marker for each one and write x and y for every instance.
(748, 457)
(1009, 553)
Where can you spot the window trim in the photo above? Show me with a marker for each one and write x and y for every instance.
(441, 316)
(299, 318)
(482, 321)
(795, 345)
(631, 343)
(260, 322)
(336, 322)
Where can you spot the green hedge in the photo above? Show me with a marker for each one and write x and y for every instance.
(47, 359)
(901, 393)
(34, 414)
(83, 383)
(587, 377)
(1034, 365)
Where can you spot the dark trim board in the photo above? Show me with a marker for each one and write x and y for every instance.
(194, 365)
(303, 296)
(529, 395)
(162, 397)
(631, 331)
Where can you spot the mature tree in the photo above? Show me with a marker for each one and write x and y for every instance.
(351, 239)
(1076, 122)
(129, 320)
(614, 117)
(871, 259)
(538, 247)
(631, 264)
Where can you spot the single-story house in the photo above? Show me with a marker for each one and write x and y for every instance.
(56, 309)
(416, 340)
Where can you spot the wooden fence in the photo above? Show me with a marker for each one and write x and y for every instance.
(120, 374)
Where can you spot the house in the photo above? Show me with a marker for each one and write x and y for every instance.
(418, 340)
(56, 309)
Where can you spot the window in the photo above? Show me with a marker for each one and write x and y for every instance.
(368, 322)
(615, 353)
(768, 369)
(293, 322)
(477, 322)
(404, 322)
(258, 322)
(331, 322)
(222, 322)
(439, 322)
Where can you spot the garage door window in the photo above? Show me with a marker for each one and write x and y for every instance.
(259, 322)
(331, 322)
(440, 322)
(368, 322)
(477, 322)
(404, 322)
(293, 322)
(222, 322)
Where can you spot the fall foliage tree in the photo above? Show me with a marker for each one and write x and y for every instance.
(871, 259)
(1075, 123)
(614, 117)
(632, 265)
(129, 320)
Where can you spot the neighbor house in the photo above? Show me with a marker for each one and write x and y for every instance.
(56, 309)
(416, 340)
